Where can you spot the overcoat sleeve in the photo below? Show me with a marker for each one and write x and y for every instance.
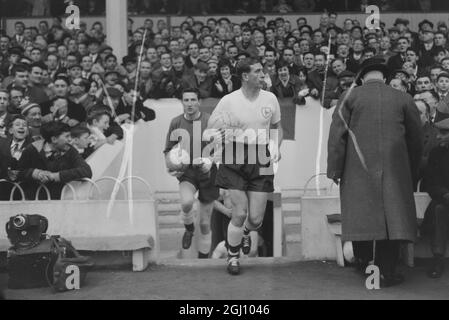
(338, 139)
(414, 136)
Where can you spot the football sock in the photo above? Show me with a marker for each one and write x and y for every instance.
(204, 243)
(187, 218)
(235, 235)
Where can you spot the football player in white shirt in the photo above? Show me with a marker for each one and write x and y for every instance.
(246, 168)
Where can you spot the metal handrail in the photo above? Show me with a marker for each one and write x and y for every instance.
(312, 179)
(16, 186)
(116, 181)
(150, 189)
(42, 186)
(68, 184)
(418, 187)
(92, 184)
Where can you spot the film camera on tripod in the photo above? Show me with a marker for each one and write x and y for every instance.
(26, 231)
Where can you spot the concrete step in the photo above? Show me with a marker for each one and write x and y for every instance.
(292, 220)
(175, 207)
(287, 195)
(171, 227)
(169, 207)
(294, 250)
(296, 200)
(170, 239)
(169, 220)
(293, 238)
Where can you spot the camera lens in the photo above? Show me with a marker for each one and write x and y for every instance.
(19, 221)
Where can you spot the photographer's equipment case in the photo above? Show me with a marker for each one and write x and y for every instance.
(34, 261)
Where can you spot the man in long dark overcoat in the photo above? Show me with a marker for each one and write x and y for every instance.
(374, 150)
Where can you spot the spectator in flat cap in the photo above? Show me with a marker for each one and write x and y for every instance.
(32, 113)
(345, 80)
(74, 71)
(401, 21)
(425, 25)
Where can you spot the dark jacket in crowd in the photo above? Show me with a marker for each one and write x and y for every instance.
(437, 173)
(236, 84)
(166, 86)
(140, 112)
(395, 62)
(290, 91)
(315, 80)
(6, 158)
(37, 94)
(7, 161)
(205, 87)
(436, 181)
(75, 110)
(352, 64)
(426, 57)
(70, 165)
(430, 142)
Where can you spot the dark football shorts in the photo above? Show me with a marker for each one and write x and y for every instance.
(203, 182)
(254, 173)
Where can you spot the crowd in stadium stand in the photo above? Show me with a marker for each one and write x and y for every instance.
(51, 75)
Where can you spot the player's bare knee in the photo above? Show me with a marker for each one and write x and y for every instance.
(187, 205)
(240, 212)
(238, 218)
(205, 228)
(256, 222)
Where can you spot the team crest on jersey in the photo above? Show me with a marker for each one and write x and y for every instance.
(267, 112)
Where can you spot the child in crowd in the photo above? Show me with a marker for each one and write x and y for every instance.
(81, 141)
(98, 124)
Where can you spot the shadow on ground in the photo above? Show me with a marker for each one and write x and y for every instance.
(286, 281)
